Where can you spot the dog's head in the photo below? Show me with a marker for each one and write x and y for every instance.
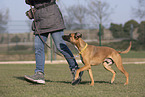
(72, 38)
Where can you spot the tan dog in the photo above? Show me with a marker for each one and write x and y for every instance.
(95, 55)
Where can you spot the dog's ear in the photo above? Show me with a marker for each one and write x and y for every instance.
(78, 35)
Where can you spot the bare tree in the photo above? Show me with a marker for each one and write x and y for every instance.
(29, 23)
(80, 16)
(139, 11)
(75, 17)
(99, 11)
(4, 15)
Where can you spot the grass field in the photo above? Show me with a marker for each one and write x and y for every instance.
(58, 82)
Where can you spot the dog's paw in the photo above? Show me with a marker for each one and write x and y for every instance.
(92, 84)
(125, 84)
(112, 82)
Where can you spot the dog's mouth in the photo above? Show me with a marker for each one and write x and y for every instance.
(66, 38)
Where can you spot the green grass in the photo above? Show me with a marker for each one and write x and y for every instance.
(134, 54)
(58, 82)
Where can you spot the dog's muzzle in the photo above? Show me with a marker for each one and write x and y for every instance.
(66, 38)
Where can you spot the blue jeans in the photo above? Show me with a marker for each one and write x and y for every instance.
(61, 47)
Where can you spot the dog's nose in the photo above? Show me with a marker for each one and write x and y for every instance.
(63, 37)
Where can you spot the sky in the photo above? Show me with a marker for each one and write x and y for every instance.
(122, 11)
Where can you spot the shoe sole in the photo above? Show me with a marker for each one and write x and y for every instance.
(35, 81)
(77, 81)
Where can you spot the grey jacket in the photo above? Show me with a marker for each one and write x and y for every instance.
(48, 17)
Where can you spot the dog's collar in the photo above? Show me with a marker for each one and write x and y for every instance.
(83, 49)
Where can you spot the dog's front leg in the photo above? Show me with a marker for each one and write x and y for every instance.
(86, 67)
(91, 76)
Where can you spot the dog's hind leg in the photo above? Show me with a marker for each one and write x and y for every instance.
(121, 68)
(119, 65)
(108, 67)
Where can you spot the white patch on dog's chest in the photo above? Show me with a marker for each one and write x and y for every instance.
(76, 47)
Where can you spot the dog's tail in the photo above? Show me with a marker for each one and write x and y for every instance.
(127, 50)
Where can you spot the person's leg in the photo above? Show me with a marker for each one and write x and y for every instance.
(39, 52)
(38, 77)
(62, 47)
